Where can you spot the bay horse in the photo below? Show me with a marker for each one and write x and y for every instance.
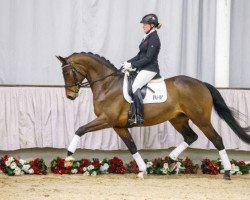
(187, 99)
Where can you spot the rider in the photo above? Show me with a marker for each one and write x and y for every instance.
(145, 63)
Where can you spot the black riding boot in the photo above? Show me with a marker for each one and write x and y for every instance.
(132, 114)
(139, 106)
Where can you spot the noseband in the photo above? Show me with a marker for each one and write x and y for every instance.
(76, 80)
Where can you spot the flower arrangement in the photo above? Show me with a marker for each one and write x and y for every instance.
(93, 168)
(210, 167)
(84, 166)
(39, 167)
(57, 166)
(240, 167)
(132, 167)
(14, 167)
(187, 166)
(215, 166)
(160, 166)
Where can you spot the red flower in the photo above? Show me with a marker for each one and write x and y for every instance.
(116, 166)
(132, 167)
(84, 163)
(210, 167)
(60, 162)
(241, 163)
(80, 170)
(6, 157)
(96, 163)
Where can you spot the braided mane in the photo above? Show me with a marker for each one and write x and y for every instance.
(99, 58)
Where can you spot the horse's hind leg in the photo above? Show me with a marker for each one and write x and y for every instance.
(128, 140)
(216, 139)
(180, 123)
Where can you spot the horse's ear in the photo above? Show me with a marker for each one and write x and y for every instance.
(62, 60)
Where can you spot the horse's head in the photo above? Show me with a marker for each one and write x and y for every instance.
(73, 77)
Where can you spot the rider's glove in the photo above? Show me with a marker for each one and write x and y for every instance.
(126, 66)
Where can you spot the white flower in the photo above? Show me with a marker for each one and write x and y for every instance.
(165, 166)
(104, 167)
(85, 174)
(26, 168)
(9, 161)
(22, 173)
(164, 170)
(90, 167)
(94, 173)
(222, 171)
(31, 171)
(13, 165)
(239, 173)
(149, 164)
(74, 171)
(17, 171)
(232, 172)
(179, 167)
(236, 168)
(22, 161)
(84, 169)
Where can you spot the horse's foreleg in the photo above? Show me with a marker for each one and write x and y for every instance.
(95, 125)
(128, 140)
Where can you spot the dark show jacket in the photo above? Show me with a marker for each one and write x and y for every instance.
(147, 58)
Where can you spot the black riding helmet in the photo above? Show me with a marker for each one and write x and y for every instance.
(150, 19)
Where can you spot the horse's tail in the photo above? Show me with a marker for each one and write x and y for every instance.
(225, 113)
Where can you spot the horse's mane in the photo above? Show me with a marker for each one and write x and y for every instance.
(99, 58)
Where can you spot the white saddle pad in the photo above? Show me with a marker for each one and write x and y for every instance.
(157, 85)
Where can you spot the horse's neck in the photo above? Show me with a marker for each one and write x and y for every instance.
(100, 75)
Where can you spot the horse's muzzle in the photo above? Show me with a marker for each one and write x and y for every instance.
(72, 97)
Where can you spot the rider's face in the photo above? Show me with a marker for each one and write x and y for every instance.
(146, 27)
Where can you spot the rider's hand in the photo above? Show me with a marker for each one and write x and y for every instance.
(127, 66)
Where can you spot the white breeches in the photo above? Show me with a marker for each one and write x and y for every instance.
(142, 78)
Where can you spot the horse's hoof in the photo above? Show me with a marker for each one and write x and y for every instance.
(172, 164)
(68, 161)
(172, 167)
(227, 175)
(227, 178)
(140, 175)
(69, 158)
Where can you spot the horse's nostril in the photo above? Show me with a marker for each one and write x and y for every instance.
(70, 97)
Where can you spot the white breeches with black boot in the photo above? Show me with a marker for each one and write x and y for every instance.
(142, 78)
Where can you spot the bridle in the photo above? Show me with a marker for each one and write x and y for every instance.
(78, 83)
